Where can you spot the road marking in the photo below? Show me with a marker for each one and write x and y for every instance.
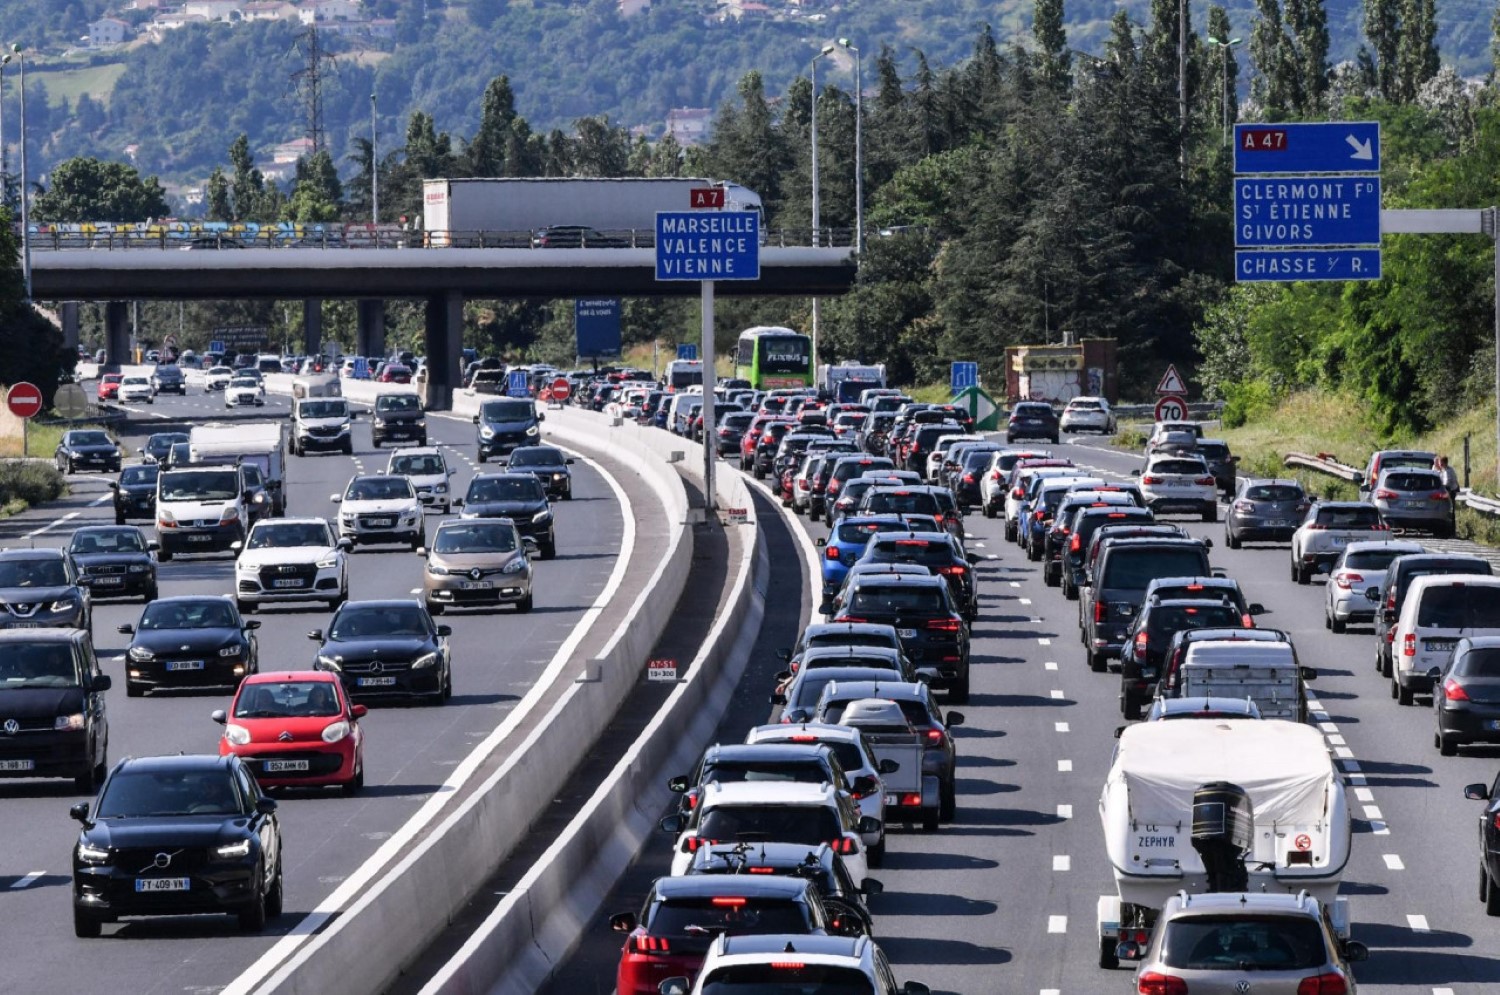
(1393, 862)
(1056, 991)
(1379, 828)
(52, 524)
(1364, 795)
(1015, 583)
(1059, 924)
(1063, 766)
(1343, 752)
(1060, 726)
(1336, 740)
(1025, 601)
(1065, 811)
(101, 499)
(1359, 779)
(415, 590)
(1056, 693)
(1062, 862)
(1442, 991)
(1372, 812)
(1418, 924)
(1350, 765)
(1043, 641)
(1328, 727)
(1050, 665)
(27, 881)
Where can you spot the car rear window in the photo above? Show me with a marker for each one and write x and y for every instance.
(902, 503)
(1371, 559)
(915, 600)
(1133, 569)
(1173, 619)
(851, 639)
(1483, 662)
(771, 823)
(1413, 482)
(1177, 466)
(726, 914)
(853, 533)
(1032, 410)
(1244, 943)
(915, 712)
(1084, 406)
(1460, 606)
(1273, 492)
(1362, 517)
(927, 552)
(786, 771)
(1213, 450)
(786, 974)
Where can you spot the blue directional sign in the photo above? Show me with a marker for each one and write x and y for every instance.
(1274, 265)
(216, 346)
(964, 375)
(361, 368)
(1288, 211)
(687, 350)
(1321, 147)
(707, 245)
(517, 384)
(597, 323)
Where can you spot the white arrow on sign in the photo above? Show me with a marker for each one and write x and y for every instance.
(1362, 149)
(983, 406)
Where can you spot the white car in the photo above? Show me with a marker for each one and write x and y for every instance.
(428, 472)
(766, 958)
(1182, 484)
(218, 377)
(855, 756)
(1088, 414)
(1361, 566)
(134, 390)
(290, 559)
(1016, 496)
(940, 452)
(381, 508)
(242, 391)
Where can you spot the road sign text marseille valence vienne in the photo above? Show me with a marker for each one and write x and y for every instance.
(707, 245)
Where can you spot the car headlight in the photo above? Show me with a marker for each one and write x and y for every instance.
(138, 568)
(63, 605)
(335, 731)
(437, 570)
(140, 653)
(420, 423)
(347, 518)
(559, 476)
(232, 851)
(230, 514)
(71, 722)
(88, 853)
(440, 488)
(515, 566)
(542, 516)
(260, 499)
(531, 430)
(486, 433)
(236, 735)
(326, 662)
(425, 660)
(380, 423)
(328, 562)
(228, 651)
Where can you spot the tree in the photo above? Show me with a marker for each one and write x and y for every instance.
(1416, 51)
(747, 145)
(1382, 29)
(31, 348)
(486, 152)
(1052, 42)
(217, 206)
(248, 188)
(317, 194)
(86, 189)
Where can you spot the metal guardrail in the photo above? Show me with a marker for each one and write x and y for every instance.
(1325, 463)
(1197, 410)
(1480, 503)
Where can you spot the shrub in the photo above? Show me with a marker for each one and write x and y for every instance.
(23, 484)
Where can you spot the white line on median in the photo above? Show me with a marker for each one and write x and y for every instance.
(52, 524)
(1050, 665)
(1056, 693)
(1043, 641)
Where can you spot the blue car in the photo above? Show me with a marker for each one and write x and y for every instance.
(846, 543)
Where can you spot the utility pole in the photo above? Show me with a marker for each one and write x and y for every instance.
(309, 81)
(1182, 95)
(374, 172)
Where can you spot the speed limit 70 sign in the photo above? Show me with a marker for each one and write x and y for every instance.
(1171, 409)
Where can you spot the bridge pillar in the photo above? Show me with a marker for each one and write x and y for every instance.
(312, 326)
(69, 314)
(116, 336)
(371, 335)
(445, 340)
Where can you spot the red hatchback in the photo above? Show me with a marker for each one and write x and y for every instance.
(395, 373)
(109, 386)
(296, 729)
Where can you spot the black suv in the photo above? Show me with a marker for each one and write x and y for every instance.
(1126, 567)
(1033, 420)
(767, 446)
(398, 418)
(166, 379)
(550, 467)
(135, 492)
(1146, 643)
(1073, 557)
(1059, 532)
(931, 629)
(939, 552)
(52, 689)
(519, 497)
(177, 835)
(505, 425)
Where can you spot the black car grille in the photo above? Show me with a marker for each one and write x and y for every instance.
(376, 666)
(327, 431)
(147, 860)
(44, 723)
(22, 609)
(508, 436)
(104, 569)
(302, 573)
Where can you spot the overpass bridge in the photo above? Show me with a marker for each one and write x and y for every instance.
(443, 277)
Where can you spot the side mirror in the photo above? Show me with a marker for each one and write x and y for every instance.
(445, 630)
(1129, 950)
(316, 635)
(820, 542)
(888, 766)
(458, 502)
(870, 887)
(126, 630)
(420, 551)
(265, 806)
(219, 715)
(1256, 608)
(236, 545)
(622, 922)
(915, 988)
(451, 471)
(114, 485)
(571, 461)
(359, 711)
(783, 675)
(678, 784)
(252, 624)
(863, 785)
(336, 498)
(101, 682)
(672, 824)
(1477, 792)
(80, 812)
(1136, 472)
(476, 419)
(1216, 571)
(1355, 951)
(869, 824)
(673, 986)
(1308, 673)
(928, 674)
(1436, 673)
(345, 544)
(152, 545)
(955, 719)
(540, 416)
(1120, 731)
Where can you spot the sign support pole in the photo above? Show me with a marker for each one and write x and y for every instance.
(1493, 224)
(706, 352)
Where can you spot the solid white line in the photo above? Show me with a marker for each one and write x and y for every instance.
(1062, 862)
(27, 881)
(52, 524)
(1393, 862)
(1418, 924)
(1063, 766)
(399, 842)
(1055, 991)
(1057, 924)
(1065, 811)
(102, 499)
(1060, 726)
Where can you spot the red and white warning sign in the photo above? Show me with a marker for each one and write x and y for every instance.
(1302, 842)
(1171, 382)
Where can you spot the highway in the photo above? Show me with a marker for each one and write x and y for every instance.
(1003, 899)
(410, 751)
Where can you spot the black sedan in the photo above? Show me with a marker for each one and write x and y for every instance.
(1466, 699)
(114, 561)
(517, 496)
(86, 449)
(1489, 843)
(177, 835)
(550, 467)
(387, 649)
(135, 492)
(189, 642)
(159, 445)
(1033, 420)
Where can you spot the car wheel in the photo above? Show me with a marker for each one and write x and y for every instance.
(1303, 574)
(1231, 540)
(1098, 662)
(164, 555)
(1050, 577)
(348, 448)
(253, 917)
(1404, 696)
(134, 689)
(89, 782)
(1337, 624)
(549, 550)
(151, 594)
(1446, 746)
(119, 519)
(947, 800)
(1491, 894)
(357, 782)
(433, 608)
(85, 926)
(1070, 592)
(275, 898)
(524, 605)
(959, 692)
(930, 823)
(1384, 663)
(989, 511)
(1129, 707)
(418, 541)
(448, 685)
(244, 607)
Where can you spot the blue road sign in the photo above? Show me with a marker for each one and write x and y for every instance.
(1321, 147)
(707, 245)
(687, 350)
(1306, 211)
(517, 384)
(1274, 265)
(361, 369)
(597, 323)
(216, 346)
(964, 375)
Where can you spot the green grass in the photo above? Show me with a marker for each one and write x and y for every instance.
(67, 84)
(25, 484)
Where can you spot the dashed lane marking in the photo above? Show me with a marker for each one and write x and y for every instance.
(1372, 812)
(1050, 665)
(1418, 924)
(1393, 862)
(1060, 726)
(1378, 828)
(1043, 641)
(1065, 811)
(52, 524)
(1056, 693)
(1063, 766)
(1062, 862)
(1059, 924)
(1364, 795)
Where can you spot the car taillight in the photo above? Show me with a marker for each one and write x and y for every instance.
(943, 624)
(1409, 644)
(1099, 611)
(935, 736)
(1440, 495)
(1244, 507)
(787, 965)
(864, 794)
(802, 484)
(1149, 481)
(1380, 527)
(833, 487)
(768, 438)
(761, 870)
(1385, 495)
(650, 945)
(1204, 481)
(845, 845)
(968, 478)
(1039, 514)
(912, 800)
(1155, 983)
(1076, 543)
(848, 618)
(1247, 621)
(953, 571)
(695, 843)
(1345, 578)
(729, 903)
(1323, 984)
(1454, 690)
(1142, 639)
(1018, 493)
(1316, 527)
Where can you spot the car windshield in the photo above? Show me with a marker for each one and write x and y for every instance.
(707, 917)
(373, 623)
(107, 541)
(503, 489)
(38, 665)
(200, 485)
(1273, 492)
(1460, 606)
(187, 615)
(885, 598)
(1243, 943)
(397, 402)
(537, 456)
(278, 534)
(139, 474)
(89, 439)
(144, 794)
(323, 409)
(33, 573)
(244, 382)
(287, 699)
(379, 489)
(808, 825)
(497, 411)
(418, 465)
(902, 503)
(477, 537)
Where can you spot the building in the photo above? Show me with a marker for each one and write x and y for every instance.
(689, 125)
(330, 10)
(109, 31)
(287, 153)
(170, 20)
(630, 8)
(213, 10)
(269, 10)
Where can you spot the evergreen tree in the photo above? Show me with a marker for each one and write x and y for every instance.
(1382, 29)
(599, 148)
(1416, 51)
(1274, 85)
(317, 195)
(1054, 60)
(486, 153)
(748, 146)
(217, 205)
(1221, 101)
(248, 188)
(1307, 22)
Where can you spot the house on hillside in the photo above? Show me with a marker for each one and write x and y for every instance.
(287, 153)
(171, 20)
(269, 10)
(630, 8)
(321, 11)
(213, 10)
(689, 125)
(109, 31)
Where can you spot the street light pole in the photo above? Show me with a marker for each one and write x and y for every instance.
(859, 149)
(25, 213)
(1224, 45)
(374, 172)
(816, 309)
(1182, 103)
(4, 166)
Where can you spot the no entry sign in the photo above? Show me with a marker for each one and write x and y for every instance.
(24, 400)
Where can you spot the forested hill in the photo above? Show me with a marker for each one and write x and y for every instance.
(182, 101)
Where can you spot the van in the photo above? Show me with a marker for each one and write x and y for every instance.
(1439, 611)
(1265, 671)
(398, 418)
(504, 424)
(201, 509)
(51, 683)
(321, 423)
(1399, 576)
(317, 385)
(258, 448)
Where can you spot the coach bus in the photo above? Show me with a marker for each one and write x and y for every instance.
(771, 357)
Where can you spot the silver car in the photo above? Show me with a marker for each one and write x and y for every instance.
(1088, 414)
(477, 561)
(1360, 567)
(1410, 498)
(1232, 943)
(1328, 527)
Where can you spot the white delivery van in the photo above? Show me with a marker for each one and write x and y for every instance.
(1439, 610)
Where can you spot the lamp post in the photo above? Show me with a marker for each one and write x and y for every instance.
(1224, 46)
(4, 166)
(859, 149)
(25, 213)
(374, 173)
(816, 309)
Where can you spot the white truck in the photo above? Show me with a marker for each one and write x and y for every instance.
(507, 211)
(846, 381)
(1206, 806)
(258, 443)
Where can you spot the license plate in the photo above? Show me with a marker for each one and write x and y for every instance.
(1443, 645)
(1337, 541)
(375, 682)
(477, 585)
(184, 664)
(14, 765)
(380, 523)
(1413, 504)
(906, 633)
(163, 884)
(199, 538)
(108, 580)
(289, 582)
(1279, 523)
(1492, 724)
(24, 625)
(274, 766)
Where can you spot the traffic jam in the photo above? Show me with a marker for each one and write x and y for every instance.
(1227, 813)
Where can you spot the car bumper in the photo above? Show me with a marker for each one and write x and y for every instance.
(250, 586)
(216, 539)
(392, 432)
(309, 441)
(457, 591)
(403, 531)
(45, 753)
(1186, 504)
(109, 464)
(119, 585)
(1418, 523)
(215, 672)
(504, 446)
(1353, 607)
(145, 508)
(326, 763)
(405, 683)
(111, 891)
(1255, 530)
